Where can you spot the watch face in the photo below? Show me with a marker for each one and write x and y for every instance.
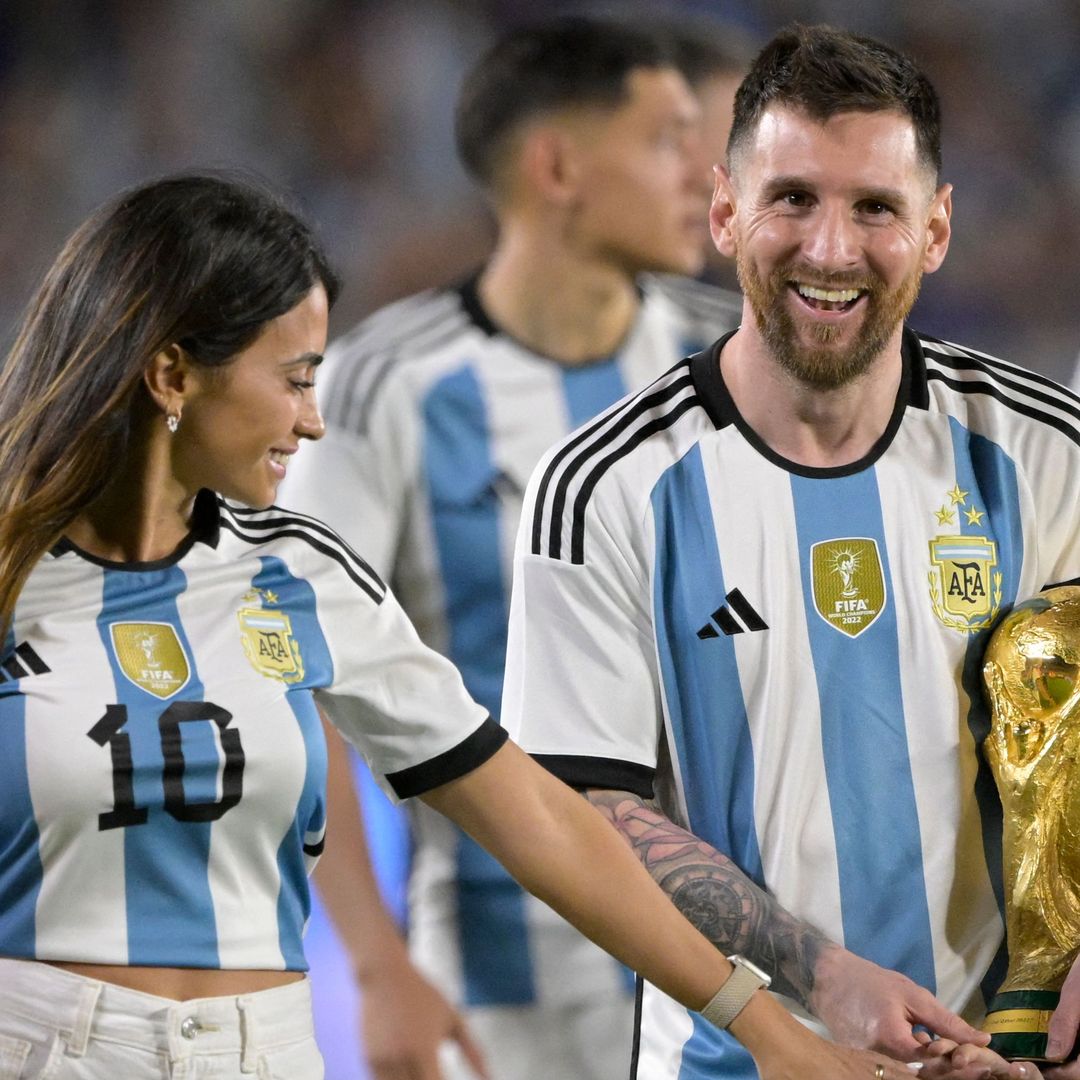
(752, 968)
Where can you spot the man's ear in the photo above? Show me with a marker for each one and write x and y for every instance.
(168, 378)
(551, 164)
(938, 229)
(722, 212)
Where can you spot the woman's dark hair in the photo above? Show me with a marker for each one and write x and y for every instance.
(824, 71)
(202, 261)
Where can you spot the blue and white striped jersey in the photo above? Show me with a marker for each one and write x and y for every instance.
(435, 421)
(162, 760)
(788, 657)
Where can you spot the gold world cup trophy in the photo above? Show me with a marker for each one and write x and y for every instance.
(1031, 670)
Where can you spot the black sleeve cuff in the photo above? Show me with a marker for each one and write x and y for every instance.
(606, 773)
(449, 765)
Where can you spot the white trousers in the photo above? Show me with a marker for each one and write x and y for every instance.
(55, 1025)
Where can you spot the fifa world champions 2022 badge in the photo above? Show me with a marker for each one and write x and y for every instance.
(268, 638)
(848, 583)
(965, 584)
(151, 656)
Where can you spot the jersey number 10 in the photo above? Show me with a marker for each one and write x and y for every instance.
(108, 730)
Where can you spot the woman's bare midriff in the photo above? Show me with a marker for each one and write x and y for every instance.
(183, 984)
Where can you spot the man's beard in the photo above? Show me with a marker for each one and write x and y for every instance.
(823, 365)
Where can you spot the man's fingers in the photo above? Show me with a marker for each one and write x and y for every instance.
(933, 1015)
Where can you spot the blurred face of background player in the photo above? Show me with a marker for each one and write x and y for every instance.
(241, 423)
(636, 187)
(844, 207)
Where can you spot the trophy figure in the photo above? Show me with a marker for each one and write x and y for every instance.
(1031, 670)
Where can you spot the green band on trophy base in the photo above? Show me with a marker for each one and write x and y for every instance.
(1017, 1022)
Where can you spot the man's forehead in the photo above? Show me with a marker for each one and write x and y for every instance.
(879, 146)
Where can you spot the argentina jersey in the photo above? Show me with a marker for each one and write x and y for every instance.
(162, 756)
(435, 421)
(788, 657)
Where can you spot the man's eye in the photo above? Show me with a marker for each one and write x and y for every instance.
(796, 198)
(875, 209)
(303, 384)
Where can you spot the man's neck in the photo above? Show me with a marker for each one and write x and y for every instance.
(555, 302)
(809, 426)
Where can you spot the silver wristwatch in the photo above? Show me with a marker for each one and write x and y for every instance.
(732, 997)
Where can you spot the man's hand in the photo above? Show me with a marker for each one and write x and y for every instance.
(404, 1020)
(1064, 1026)
(867, 1006)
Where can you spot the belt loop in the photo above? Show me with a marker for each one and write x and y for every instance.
(249, 1036)
(84, 1017)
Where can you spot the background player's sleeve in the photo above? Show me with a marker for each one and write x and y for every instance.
(581, 692)
(358, 477)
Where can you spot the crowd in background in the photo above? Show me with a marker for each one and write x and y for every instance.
(348, 104)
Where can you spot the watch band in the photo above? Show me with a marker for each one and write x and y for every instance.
(732, 997)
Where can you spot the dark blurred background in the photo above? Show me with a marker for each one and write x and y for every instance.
(348, 104)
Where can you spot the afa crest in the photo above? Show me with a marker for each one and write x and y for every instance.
(151, 656)
(849, 583)
(965, 585)
(268, 640)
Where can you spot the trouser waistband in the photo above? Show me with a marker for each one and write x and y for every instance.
(80, 1008)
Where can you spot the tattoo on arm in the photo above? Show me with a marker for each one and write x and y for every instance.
(716, 896)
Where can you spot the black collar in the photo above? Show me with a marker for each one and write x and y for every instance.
(718, 404)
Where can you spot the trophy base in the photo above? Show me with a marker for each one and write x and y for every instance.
(1018, 1021)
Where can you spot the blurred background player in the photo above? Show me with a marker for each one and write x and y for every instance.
(587, 139)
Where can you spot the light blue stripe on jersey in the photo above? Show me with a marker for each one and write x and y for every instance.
(706, 710)
(295, 597)
(170, 912)
(988, 474)
(590, 388)
(461, 477)
(864, 739)
(496, 965)
(20, 852)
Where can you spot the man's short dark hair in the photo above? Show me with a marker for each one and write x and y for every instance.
(824, 71)
(543, 68)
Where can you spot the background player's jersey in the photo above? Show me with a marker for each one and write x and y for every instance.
(162, 761)
(788, 657)
(435, 421)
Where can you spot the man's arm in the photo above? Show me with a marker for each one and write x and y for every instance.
(860, 1003)
(561, 850)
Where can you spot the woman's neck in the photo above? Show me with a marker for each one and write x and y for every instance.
(143, 514)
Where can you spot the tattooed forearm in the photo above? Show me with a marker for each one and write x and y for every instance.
(716, 896)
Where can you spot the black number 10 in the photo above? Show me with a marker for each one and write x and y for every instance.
(108, 731)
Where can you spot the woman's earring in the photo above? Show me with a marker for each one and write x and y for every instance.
(172, 421)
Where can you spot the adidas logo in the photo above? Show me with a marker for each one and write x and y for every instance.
(724, 618)
(24, 661)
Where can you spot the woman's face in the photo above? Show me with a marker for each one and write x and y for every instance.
(243, 422)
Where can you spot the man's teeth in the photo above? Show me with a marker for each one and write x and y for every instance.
(279, 457)
(832, 296)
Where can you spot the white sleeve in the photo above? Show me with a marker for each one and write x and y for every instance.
(400, 703)
(358, 479)
(581, 692)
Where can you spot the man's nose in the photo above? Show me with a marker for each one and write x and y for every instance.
(831, 240)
